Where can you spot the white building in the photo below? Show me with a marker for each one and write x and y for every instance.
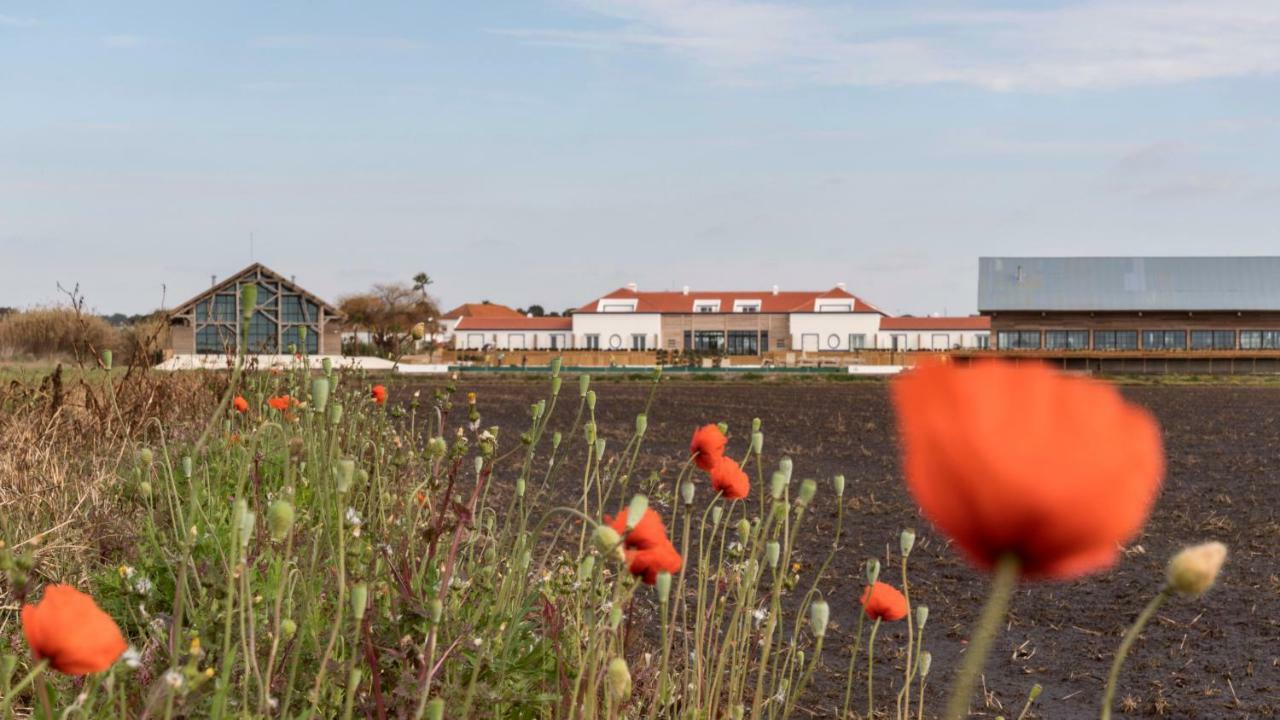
(934, 333)
(513, 333)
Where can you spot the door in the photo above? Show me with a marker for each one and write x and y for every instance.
(809, 342)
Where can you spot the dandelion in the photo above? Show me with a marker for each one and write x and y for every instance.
(728, 478)
(379, 394)
(68, 629)
(240, 404)
(707, 446)
(173, 679)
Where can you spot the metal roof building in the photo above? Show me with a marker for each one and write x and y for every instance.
(1127, 284)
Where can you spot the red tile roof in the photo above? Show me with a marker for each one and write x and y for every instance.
(974, 322)
(484, 310)
(676, 301)
(519, 322)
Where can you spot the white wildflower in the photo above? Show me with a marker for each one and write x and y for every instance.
(173, 679)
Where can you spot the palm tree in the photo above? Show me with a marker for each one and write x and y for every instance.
(420, 283)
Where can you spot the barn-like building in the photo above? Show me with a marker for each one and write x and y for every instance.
(286, 319)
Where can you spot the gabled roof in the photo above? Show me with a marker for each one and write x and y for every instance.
(231, 281)
(973, 322)
(519, 322)
(1120, 284)
(481, 310)
(678, 301)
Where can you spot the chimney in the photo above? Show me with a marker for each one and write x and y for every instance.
(1019, 275)
(685, 291)
(633, 287)
(213, 280)
(293, 279)
(775, 289)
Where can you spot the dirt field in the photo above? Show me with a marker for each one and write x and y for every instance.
(1214, 658)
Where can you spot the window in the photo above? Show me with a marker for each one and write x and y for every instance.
(835, 307)
(615, 342)
(1164, 339)
(554, 342)
(1213, 340)
(592, 341)
(1260, 339)
(940, 341)
(857, 341)
(747, 342)
(1115, 339)
(1066, 339)
(782, 343)
(706, 306)
(746, 306)
(1018, 339)
(215, 339)
(637, 341)
(984, 342)
(704, 340)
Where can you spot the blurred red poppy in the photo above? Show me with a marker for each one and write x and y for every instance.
(281, 402)
(882, 601)
(646, 547)
(707, 446)
(728, 478)
(70, 631)
(240, 404)
(379, 394)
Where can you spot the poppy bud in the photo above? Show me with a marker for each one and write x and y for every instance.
(343, 473)
(519, 487)
(635, 511)
(437, 611)
(247, 520)
(1194, 569)
(724, 428)
(785, 466)
(737, 712)
(777, 483)
(302, 335)
(808, 487)
(555, 365)
(615, 617)
(642, 424)
(327, 365)
(479, 463)
(145, 457)
(619, 680)
(145, 490)
(771, 552)
(755, 425)
(800, 658)
(591, 400)
(757, 442)
(320, 393)
(555, 439)
(1035, 692)
(555, 385)
(419, 331)
(106, 360)
(906, 541)
(744, 531)
(280, 519)
(873, 571)
(435, 709)
(922, 616)
(663, 586)
(657, 373)
(716, 512)
(819, 614)
(359, 601)
(925, 660)
(837, 482)
(589, 432)
(600, 447)
(288, 627)
(186, 467)
(608, 540)
(686, 492)
(248, 301)
(535, 410)
(584, 382)
(586, 567)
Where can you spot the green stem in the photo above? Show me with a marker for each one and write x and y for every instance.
(1129, 638)
(871, 670)
(1003, 582)
(22, 685)
(853, 661)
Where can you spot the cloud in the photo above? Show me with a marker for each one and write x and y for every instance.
(120, 42)
(1170, 171)
(334, 42)
(17, 22)
(1085, 44)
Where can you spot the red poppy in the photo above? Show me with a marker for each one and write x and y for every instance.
(707, 446)
(281, 402)
(727, 477)
(69, 630)
(1019, 459)
(882, 601)
(646, 547)
(240, 404)
(379, 394)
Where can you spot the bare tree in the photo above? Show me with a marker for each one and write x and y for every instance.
(389, 313)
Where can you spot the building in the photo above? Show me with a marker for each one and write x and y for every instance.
(513, 333)
(934, 333)
(286, 318)
(1146, 306)
(481, 310)
(732, 323)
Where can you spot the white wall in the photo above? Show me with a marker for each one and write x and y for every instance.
(830, 331)
(511, 339)
(929, 339)
(616, 328)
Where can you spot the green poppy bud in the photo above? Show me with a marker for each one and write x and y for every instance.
(145, 457)
(608, 540)
(724, 428)
(642, 424)
(280, 519)
(435, 709)
(555, 439)
(615, 617)
(686, 492)
(873, 571)
(359, 601)
(619, 680)
(586, 567)
(335, 414)
(772, 550)
(785, 465)
(187, 469)
(437, 611)
(479, 463)
(777, 484)
(555, 365)
(327, 365)
(344, 472)
(591, 400)
(819, 614)
(716, 512)
(589, 432)
(906, 541)
(635, 511)
(247, 521)
(106, 359)
(248, 301)
(600, 444)
(288, 628)
(663, 585)
(926, 659)
(755, 425)
(757, 442)
(1035, 692)
(744, 531)
(519, 487)
(320, 393)
(555, 385)
(837, 482)
(922, 616)
(584, 382)
(145, 490)
(808, 487)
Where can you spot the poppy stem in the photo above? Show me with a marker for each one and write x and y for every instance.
(22, 685)
(1126, 644)
(1003, 582)
(871, 670)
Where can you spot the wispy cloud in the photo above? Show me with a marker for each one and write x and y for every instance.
(17, 22)
(1087, 44)
(121, 42)
(335, 42)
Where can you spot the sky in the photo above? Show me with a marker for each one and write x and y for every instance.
(549, 151)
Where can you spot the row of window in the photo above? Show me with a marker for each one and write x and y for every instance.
(1128, 339)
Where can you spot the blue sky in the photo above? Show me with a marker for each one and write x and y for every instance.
(549, 151)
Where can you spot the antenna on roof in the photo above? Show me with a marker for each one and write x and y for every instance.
(1019, 274)
(251, 259)
(213, 280)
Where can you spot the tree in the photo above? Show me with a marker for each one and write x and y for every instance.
(420, 283)
(389, 312)
(536, 311)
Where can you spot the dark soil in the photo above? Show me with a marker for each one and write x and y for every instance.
(1218, 657)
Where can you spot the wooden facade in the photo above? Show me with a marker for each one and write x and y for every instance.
(770, 330)
(1248, 332)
